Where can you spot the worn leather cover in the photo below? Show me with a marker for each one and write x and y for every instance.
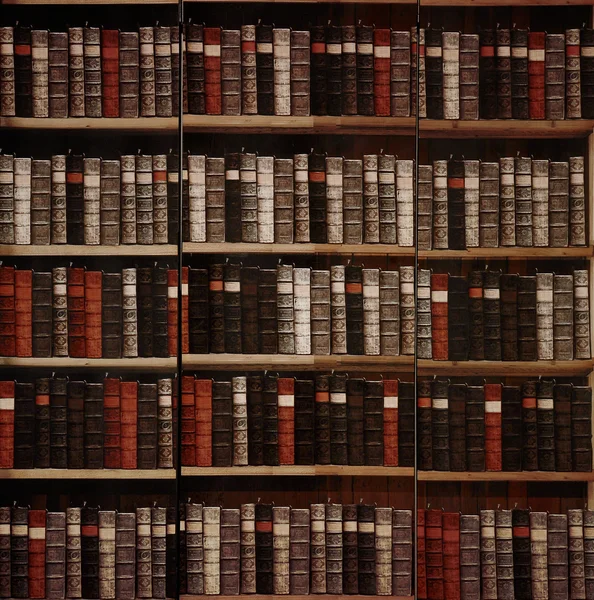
(511, 425)
(230, 551)
(304, 422)
(196, 73)
(439, 316)
(322, 419)
(470, 575)
(265, 69)
(23, 76)
(406, 424)
(557, 555)
(434, 553)
(581, 428)
(319, 70)
(264, 549)
(458, 319)
(451, 555)
(338, 419)
(555, 76)
(475, 428)
(402, 86)
(536, 74)
(457, 426)
(110, 71)
(529, 427)
(129, 74)
(434, 73)
(509, 316)
(92, 72)
(349, 70)
(424, 426)
(300, 60)
(286, 420)
(365, 69)
(503, 71)
(562, 393)
(520, 74)
(440, 427)
(334, 67)
(493, 450)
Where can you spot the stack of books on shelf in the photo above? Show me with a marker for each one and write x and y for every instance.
(324, 549)
(537, 426)
(60, 423)
(295, 310)
(270, 420)
(488, 315)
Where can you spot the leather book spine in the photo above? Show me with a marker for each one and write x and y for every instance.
(215, 199)
(8, 312)
(178, 91)
(158, 551)
(145, 301)
(111, 307)
(74, 199)
(527, 317)
(457, 426)
(383, 551)
(145, 205)
(523, 200)
(540, 202)
(389, 313)
(23, 304)
(92, 200)
(58, 200)
(520, 74)
(469, 76)
(349, 568)
(471, 198)
(89, 531)
(555, 76)
(93, 426)
(475, 428)
(110, 72)
(255, 406)
(319, 71)
(405, 202)
(317, 194)
(334, 199)
(493, 450)
(301, 198)
(577, 219)
(545, 428)
(299, 551)
(281, 518)
(284, 217)
(320, 312)
(338, 309)
(338, 420)
(302, 309)
(440, 428)
(322, 448)
(390, 416)
(55, 557)
(581, 314)
(509, 316)
(425, 207)
(581, 428)
(388, 233)
(434, 73)
(230, 72)
(129, 74)
(19, 552)
(575, 522)
(364, 35)
(562, 395)
(434, 553)
(559, 190)
(407, 310)
(130, 315)
(196, 70)
(353, 202)
(107, 532)
(504, 553)
(77, 62)
(23, 71)
(489, 209)
(128, 198)
(40, 202)
(212, 71)
(503, 73)
(159, 177)
(264, 69)
(110, 216)
(439, 316)
(538, 549)
(22, 201)
(421, 559)
(536, 74)
(355, 421)
(173, 196)
(300, 60)
(165, 424)
(488, 555)
(381, 72)
(188, 423)
(7, 76)
(417, 51)
(248, 79)
(488, 74)
(147, 439)
(268, 311)
(458, 321)
(557, 555)
(230, 550)
(43, 443)
(60, 313)
(247, 528)
(281, 52)
(184, 330)
(573, 93)
(349, 70)
(112, 424)
(334, 67)
(354, 310)
(222, 424)
(240, 425)
(249, 197)
(402, 551)
(58, 433)
(371, 311)
(195, 533)
(406, 424)
(196, 215)
(424, 426)
(250, 329)
(73, 553)
(285, 309)
(529, 427)
(492, 314)
(172, 313)
(232, 196)
(373, 433)
(92, 71)
(163, 75)
(588, 549)
(6, 196)
(76, 313)
(304, 422)
(400, 74)
(511, 428)
(129, 426)
(563, 317)
(451, 555)
(451, 74)
(318, 548)
(75, 443)
(544, 316)
(440, 205)
(470, 576)
(264, 549)
(39, 72)
(180, 516)
(7, 438)
(232, 308)
(146, 37)
(144, 575)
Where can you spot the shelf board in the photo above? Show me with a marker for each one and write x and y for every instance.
(120, 474)
(491, 367)
(125, 364)
(299, 471)
(503, 476)
(83, 250)
(297, 597)
(336, 249)
(149, 125)
(511, 253)
(506, 128)
(256, 362)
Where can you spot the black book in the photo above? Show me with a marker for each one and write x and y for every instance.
(267, 311)
(440, 425)
(434, 73)
(456, 207)
(222, 424)
(334, 69)
(74, 199)
(354, 309)
(42, 423)
(232, 308)
(319, 71)
(355, 419)
(509, 316)
(76, 425)
(144, 290)
(373, 426)
(511, 428)
(545, 425)
(58, 421)
(250, 330)
(173, 201)
(93, 425)
(160, 313)
(148, 425)
(424, 426)
(526, 301)
(264, 550)
(265, 70)
(318, 227)
(475, 428)
(458, 318)
(406, 424)
(232, 198)
(492, 315)
(89, 541)
(322, 419)
(457, 425)
(255, 420)
(529, 427)
(304, 422)
(24, 426)
(338, 419)
(270, 420)
(562, 393)
(198, 310)
(111, 309)
(216, 308)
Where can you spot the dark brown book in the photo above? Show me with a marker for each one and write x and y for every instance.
(264, 69)
(365, 70)
(250, 330)
(355, 419)
(457, 426)
(198, 310)
(581, 428)
(255, 404)
(519, 74)
(23, 75)
(322, 420)
(42, 423)
(458, 318)
(366, 548)
(319, 71)
(545, 425)
(24, 426)
(424, 426)
(267, 311)
(232, 308)
(76, 425)
(264, 550)
(147, 425)
(440, 428)
(529, 427)
(509, 316)
(349, 70)
(434, 73)
(475, 428)
(58, 420)
(74, 199)
(373, 424)
(334, 61)
(93, 426)
(521, 552)
(406, 424)
(160, 312)
(222, 424)
(304, 422)
(562, 397)
(354, 309)
(338, 420)
(195, 59)
(487, 75)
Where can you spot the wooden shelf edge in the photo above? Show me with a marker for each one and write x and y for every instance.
(511, 253)
(149, 125)
(83, 250)
(92, 474)
(256, 362)
(504, 476)
(488, 367)
(161, 364)
(299, 471)
(298, 597)
(506, 128)
(297, 248)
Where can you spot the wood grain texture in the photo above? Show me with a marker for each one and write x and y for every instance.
(299, 471)
(331, 249)
(74, 250)
(521, 368)
(518, 129)
(503, 476)
(504, 253)
(148, 125)
(137, 364)
(103, 474)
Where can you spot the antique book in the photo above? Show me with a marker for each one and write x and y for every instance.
(215, 199)
(451, 554)
(176, 90)
(73, 552)
(368, 68)
(469, 76)
(333, 69)
(107, 548)
(173, 325)
(64, 424)
(338, 419)
(23, 308)
(281, 517)
(349, 70)
(281, 52)
(230, 72)
(40, 202)
(39, 72)
(349, 567)
(23, 71)
(89, 522)
(7, 198)
(536, 74)
(301, 198)
(125, 547)
(300, 73)
(386, 199)
(60, 312)
(557, 555)
(488, 556)
(129, 74)
(418, 54)
(451, 74)
(93, 426)
(304, 422)
(248, 80)
(285, 309)
(7, 76)
(366, 549)
(389, 313)
(7, 432)
(76, 312)
(248, 197)
(562, 395)
(487, 74)
(222, 424)
(249, 310)
(8, 312)
(338, 309)
(581, 314)
(471, 204)
(492, 314)
(284, 217)
(353, 200)
(286, 420)
(509, 316)
(424, 207)
(527, 316)
(92, 200)
(299, 551)
(268, 311)
(319, 70)
(111, 306)
(270, 445)
(144, 575)
(493, 451)
(503, 73)
(457, 426)
(405, 202)
(439, 316)
(165, 424)
(196, 210)
(55, 557)
(355, 420)
(575, 527)
(371, 311)
(22, 200)
(407, 310)
(522, 555)
(545, 429)
(458, 321)
(247, 529)
(130, 319)
(189, 448)
(322, 420)
(421, 558)
(440, 433)
(58, 200)
(195, 548)
(264, 549)
(334, 199)
(128, 198)
(400, 73)
(555, 76)
(519, 74)
(112, 421)
(573, 89)
(470, 580)
(540, 202)
(265, 69)
(110, 73)
(145, 204)
(232, 308)
(434, 73)
(562, 317)
(212, 70)
(57, 74)
(160, 225)
(158, 551)
(373, 412)
(383, 552)
(265, 198)
(19, 551)
(92, 72)
(523, 201)
(43, 445)
(529, 427)
(544, 316)
(559, 188)
(402, 551)
(147, 426)
(577, 223)
(320, 312)
(581, 428)
(230, 551)
(302, 309)
(475, 428)
(110, 203)
(406, 424)
(163, 105)
(424, 426)
(317, 198)
(511, 432)
(586, 71)
(354, 310)
(504, 553)
(390, 416)
(440, 205)
(489, 209)
(194, 34)
(434, 553)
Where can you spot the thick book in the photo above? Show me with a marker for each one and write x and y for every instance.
(212, 70)
(355, 420)
(299, 550)
(110, 73)
(509, 316)
(493, 450)
(440, 428)
(457, 426)
(390, 423)
(92, 71)
(366, 69)
(451, 74)
(470, 580)
(529, 427)
(545, 425)
(536, 74)
(520, 74)
(248, 80)
(300, 58)
(562, 397)
(322, 420)
(503, 72)
(434, 553)
(349, 70)
(334, 65)
(522, 554)
(281, 523)
(222, 424)
(230, 72)
(264, 549)
(247, 529)
(338, 420)
(400, 73)
(511, 425)
(573, 88)
(281, 53)
(434, 73)
(424, 426)
(458, 318)
(203, 416)
(230, 569)
(554, 76)
(194, 34)
(39, 72)
(286, 420)
(439, 316)
(304, 422)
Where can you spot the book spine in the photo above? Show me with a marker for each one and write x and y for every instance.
(60, 312)
(388, 232)
(503, 73)
(555, 76)
(212, 70)
(318, 203)
(130, 313)
(581, 424)
(265, 199)
(37, 535)
(540, 202)
(22, 201)
(158, 534)
(268, 311)
(338, 420)
(144, 574)
(19, 552)
(159, 174)
(107, 549)
(400, 74)
(184, 331)
(7, 196)
(248, 178)
(24, 426)
(112, 424)
(544, 316)
(264, 549)
(389, 313)
(318, 548)
(52, 427)
(163, 75)
(248, 79)
(529, 427)
(144, 200)
(322, 420)
(76, 313)
(581, 314)
(371, 311)
(319, 71)
(406, 420)
(284, 217)
(349, 549)
(434, 73)
(285, 309)
(7, 431)
(195, 50)
(301, 198)
(197, 198)
(354, 310)
(55, 557)
(129, 74)
(355, 421)
(573, 88)
(73, 553)
(147, 426)
(92, 200)
(451, 74)
(264, 69)
(577, 219)
(304, 422)
(334, 66)
(148, 101)
(373, 411)
(232, 308)
(195, 533)
(334, 549)
(545, 426)
(129, 426)
(489, 208)
(504, 553)
(563, 317)
(165, 424)
(366, 549)
(536, 74)
(418, 98)
(22, 72)
(230, 60)
(240, 425)
(125, 547)
(488, 74)
(299, 551)
(575, 522)
(492, 314)
(302, 309)
(188, 423)
(559, 204)
(425, 207)
(178, 90)
(470, 581)
(334, 200)
(475, 428)
(128, 198)
(7, 78)
(407, 311)
(338, 309)
(439, 316)
(353, 202)
(440, 428)
(405, 202)
(320, 312)
(520, 74)
(248, 548)
(471, 203)
(557, 555)
(424, 424)
(39, 72)
(222, 428)
(89, 552)
(40, 202)
(440, 205)
(364, 36)
(23, 306)
(281, 516)
(349, 70)
(511, 423)
(451, 555)
(300, 60)
(523, 199)
(93, 426)
(509, 316)
(493, 449)
(402, 551)
(281, 51)
(110, 71)
(456, 205)
(44, 448)
(172, 313)
(562, 394)
(92, 71)
(457, 426)
(469, 76)
(381, 72)
(488, 555)
(230, 549)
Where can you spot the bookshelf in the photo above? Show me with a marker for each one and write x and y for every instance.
(327, 249)
(91, 474)
(299, 471)
(125, 364)
(522, 476)
(73, 250)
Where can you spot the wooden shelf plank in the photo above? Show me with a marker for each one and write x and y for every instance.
(430, 128)
(256, 362)
(148, 125)
(507, 253)
(491, 367)
(338, 249)
(125, 364)
(103, 474)
(299, 471)
(503, 476)
(297, 597)
(83, 250)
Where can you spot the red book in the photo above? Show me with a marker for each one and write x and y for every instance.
(36, 553)
(212, 70)
(185, 324)
(188, 422)
(110, 69)
(23, 295)
(391, 422)
(203, 394)
(381, 72)
(77, 346)
(536, 74)
(434, 554)
(129, 427)
(493, 459)
(93, 332)
(7, 312)
(112, 424)
(451, 556)
(421, 563)
(172, 311)
(286, 420)
(439, 315)
(6, 424)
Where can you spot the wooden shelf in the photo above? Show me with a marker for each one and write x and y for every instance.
(508, 128)
(336, 249)
(297, 597)
(257, 362)
(511, 253)
(503, 476)
(148, 125)
(84, 251)
(125, 364)
(299, 471)
(563, 368)
(120, 474)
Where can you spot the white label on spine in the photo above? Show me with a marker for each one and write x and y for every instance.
(493, 406)
(545, 403)
(521, 52)
(366, 527)
(536, 55)
(439, 403)
(390, 401)
(337, 397)
(195, 47)
(264, 47)
(36, 533)
(439, 296)
(212, 50)
(334, 48)
(350, 526)
(286, 400)
(432, 51)
(349, 47)
(491, 293)
(6, 403)
(381, 52)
